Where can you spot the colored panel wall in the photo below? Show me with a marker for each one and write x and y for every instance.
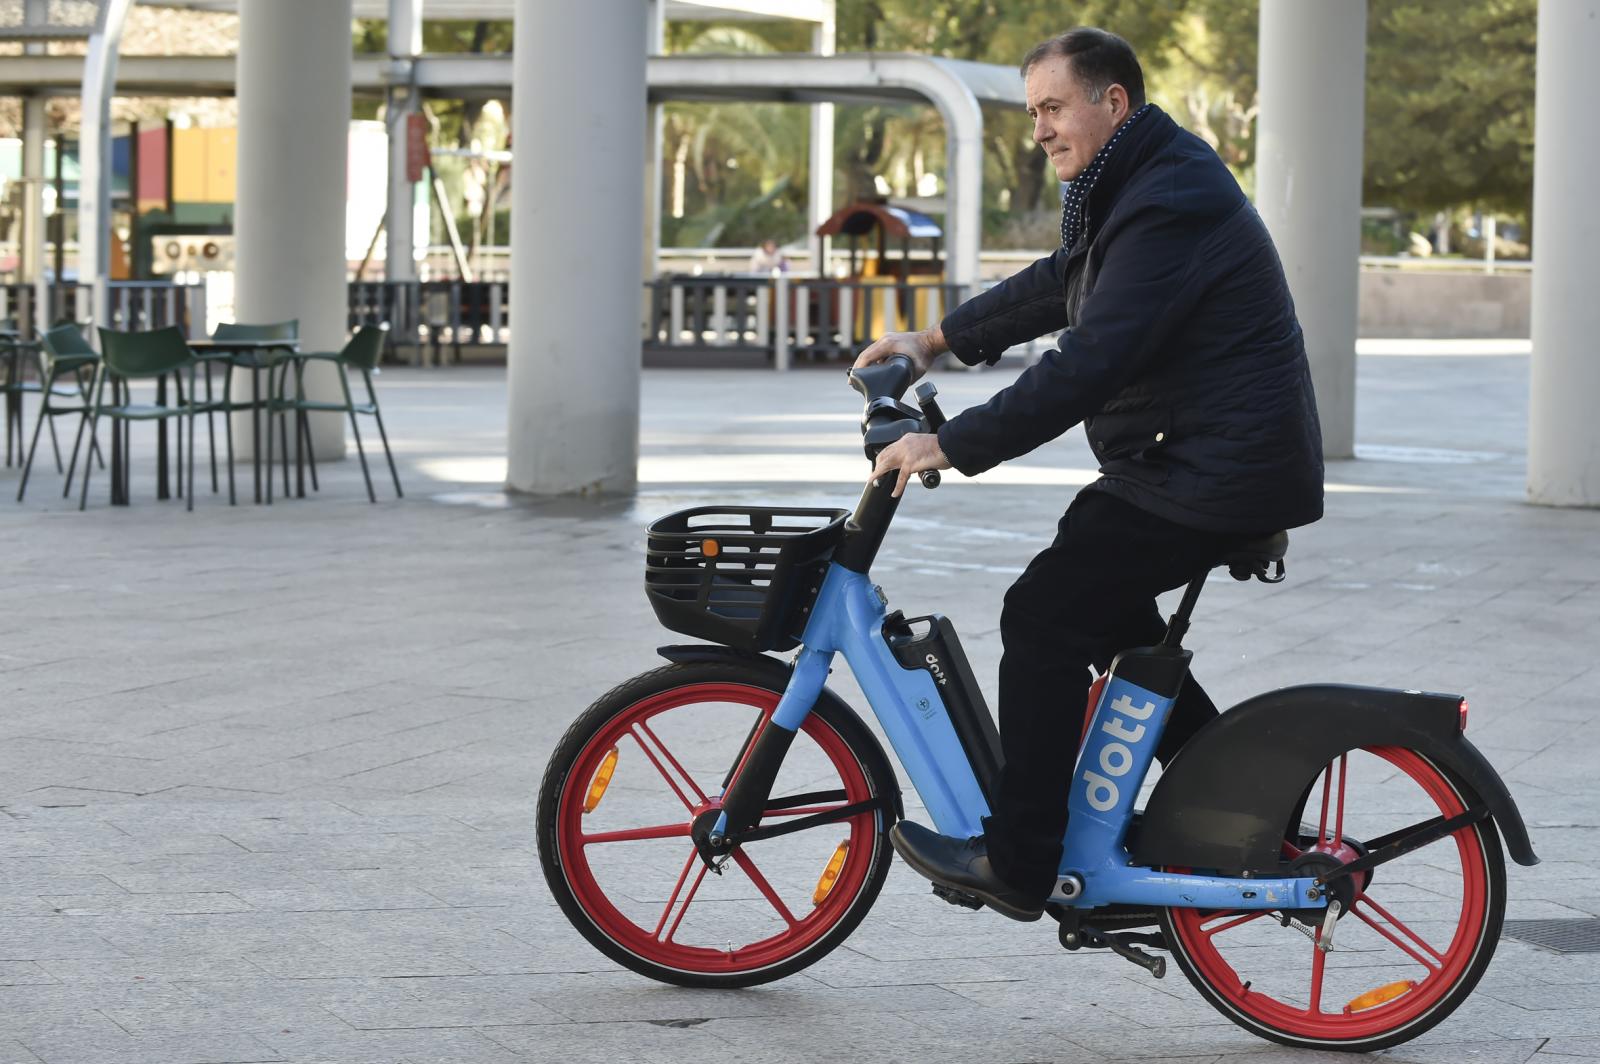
(203, 165)
(152, 178)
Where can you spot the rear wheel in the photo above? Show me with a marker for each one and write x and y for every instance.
(1417, 935)
(636, 769)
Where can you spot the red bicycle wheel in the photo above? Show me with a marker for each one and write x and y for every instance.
(627, 782)
(1418, 934)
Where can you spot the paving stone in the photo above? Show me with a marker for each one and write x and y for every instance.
(290, 789)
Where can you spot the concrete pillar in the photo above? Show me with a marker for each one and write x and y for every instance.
(819, 201)
(405, 44)
(34, 127)
(33, 180)
(94, 158)
(294, 127)
(1308, 185)
(655, 44)
(1563, 433)
(577, 221)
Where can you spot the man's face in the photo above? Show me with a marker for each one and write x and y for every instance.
(1066, 125)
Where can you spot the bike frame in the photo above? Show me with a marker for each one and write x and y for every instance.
(848, 619)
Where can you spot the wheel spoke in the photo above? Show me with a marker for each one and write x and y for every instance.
(1318, 960)
(1338, 816)
(660, 831)
(742, 859)
(687, 898)
(1322, 822)
(1364, 899)
(1245, 919)
(804, 810)
(749, 748)
(672, 899)
(698, 793)
(656, 761)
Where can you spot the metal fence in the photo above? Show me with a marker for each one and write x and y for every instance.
(771, 321)
(135, 306)
(785, 319)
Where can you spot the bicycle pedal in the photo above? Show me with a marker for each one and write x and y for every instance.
(957, 897)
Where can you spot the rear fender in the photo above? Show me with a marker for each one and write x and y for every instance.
(860, 737)
(1225, 800)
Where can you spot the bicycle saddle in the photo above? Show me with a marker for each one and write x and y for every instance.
(1254, 557)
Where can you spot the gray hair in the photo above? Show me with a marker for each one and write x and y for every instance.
(1098, 59)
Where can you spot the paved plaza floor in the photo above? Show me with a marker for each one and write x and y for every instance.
(267, 775)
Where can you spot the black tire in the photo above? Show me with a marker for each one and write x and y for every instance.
(1494, 872)
(829, 712)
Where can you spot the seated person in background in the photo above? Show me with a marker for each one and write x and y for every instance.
(767, 258)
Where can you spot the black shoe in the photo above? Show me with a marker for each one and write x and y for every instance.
(964, 865)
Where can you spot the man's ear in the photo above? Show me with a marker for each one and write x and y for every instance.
(1117, 97)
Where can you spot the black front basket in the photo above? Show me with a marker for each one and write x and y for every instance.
(741, 576)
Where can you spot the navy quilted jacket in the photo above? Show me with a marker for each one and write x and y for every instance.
(1182, 355)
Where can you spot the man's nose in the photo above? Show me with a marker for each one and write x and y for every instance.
(1041, 130)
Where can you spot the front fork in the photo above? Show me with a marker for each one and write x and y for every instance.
(745, 800)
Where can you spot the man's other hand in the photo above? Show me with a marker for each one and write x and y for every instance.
(910, 454)
(921, 347)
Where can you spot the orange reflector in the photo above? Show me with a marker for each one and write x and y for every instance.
(830, 875)
(1374, 998)
(710, 548)
(602, 780)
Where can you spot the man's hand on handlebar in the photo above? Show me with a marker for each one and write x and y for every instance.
(910, 454)
(921, 347)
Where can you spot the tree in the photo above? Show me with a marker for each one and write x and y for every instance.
(1449, 105)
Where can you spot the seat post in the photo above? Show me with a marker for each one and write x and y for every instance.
(1178, 626)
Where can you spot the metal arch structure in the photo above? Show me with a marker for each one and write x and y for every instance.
(94, 155)
(99, 24)
(956, 88)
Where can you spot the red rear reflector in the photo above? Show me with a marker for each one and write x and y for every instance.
(1463, 714)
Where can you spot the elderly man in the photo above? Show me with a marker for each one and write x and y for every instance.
(1183, 359)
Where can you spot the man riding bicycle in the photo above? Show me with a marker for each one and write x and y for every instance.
(1183, 359)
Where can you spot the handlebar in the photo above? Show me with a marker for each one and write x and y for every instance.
(885, 418)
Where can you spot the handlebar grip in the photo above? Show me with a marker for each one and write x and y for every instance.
(930, 478)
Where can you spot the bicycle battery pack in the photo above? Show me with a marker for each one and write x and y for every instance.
(931, 644)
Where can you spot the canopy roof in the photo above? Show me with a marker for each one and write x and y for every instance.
(765, 10)
(863, 216)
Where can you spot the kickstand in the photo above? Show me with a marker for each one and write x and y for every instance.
(1075, 936)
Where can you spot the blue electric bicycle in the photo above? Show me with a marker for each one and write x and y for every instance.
(1321, 861)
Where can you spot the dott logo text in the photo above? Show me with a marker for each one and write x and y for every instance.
(1116, 757)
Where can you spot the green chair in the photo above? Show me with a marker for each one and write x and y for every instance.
(361, 353)
(64, 355)
(255, 362)
(13, 353)
(136, 356)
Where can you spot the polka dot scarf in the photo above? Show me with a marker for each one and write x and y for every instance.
(1074, 200)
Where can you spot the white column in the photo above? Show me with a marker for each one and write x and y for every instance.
(94, 157)
(576, 223)
(655, 44)
(405, 44)
(294, 128)
(819, 200)
(963, 123)
(33, 178)
(1308, 184)
(1563, 433)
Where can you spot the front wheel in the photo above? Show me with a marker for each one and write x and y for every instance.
(637, 768)
(1416, 935)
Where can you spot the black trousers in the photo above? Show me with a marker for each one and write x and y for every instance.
(1088, 596)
